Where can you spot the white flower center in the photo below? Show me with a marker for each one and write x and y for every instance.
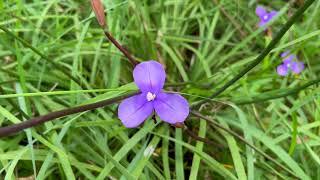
(288, 65)
(265, 17)
(150, 96)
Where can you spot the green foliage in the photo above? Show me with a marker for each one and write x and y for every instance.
(54, 55)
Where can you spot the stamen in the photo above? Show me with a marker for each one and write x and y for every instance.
(150, 96)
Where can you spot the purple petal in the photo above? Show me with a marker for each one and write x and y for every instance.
(149, 76)
(262, 23)
(282, 70)
(288, 60)
(260, 11)
(272, 14)
(265, 17)
(134, 110)
(297, 67)
(171, 108)
(285, 54)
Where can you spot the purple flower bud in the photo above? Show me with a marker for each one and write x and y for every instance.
(98, 10)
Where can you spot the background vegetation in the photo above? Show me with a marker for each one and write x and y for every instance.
(273, 127)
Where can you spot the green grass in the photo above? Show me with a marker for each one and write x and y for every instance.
(54, 55)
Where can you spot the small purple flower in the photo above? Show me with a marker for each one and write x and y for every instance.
(264, 16)
(150, 76)
(289, 64)
(285, 54)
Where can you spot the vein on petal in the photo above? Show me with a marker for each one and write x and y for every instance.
(167, 104)
(149, 77)
(129, 116)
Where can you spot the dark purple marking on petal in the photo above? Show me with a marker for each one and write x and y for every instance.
(171, 108)
(149, 76)
(134, 110)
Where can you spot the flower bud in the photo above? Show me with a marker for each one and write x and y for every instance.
(98, 10)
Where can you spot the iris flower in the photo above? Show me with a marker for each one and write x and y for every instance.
(150, 77)
(264, 16)
(289, 65)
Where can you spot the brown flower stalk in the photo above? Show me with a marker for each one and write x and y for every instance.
(12, 129)
(98, 10)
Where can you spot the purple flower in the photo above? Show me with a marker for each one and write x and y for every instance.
(289, 64)
(150, 76)
(264, 16)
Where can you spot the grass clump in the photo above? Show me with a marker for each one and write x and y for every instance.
(54, 55)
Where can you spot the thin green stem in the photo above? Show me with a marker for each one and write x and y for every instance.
(7, 82)
(288, 92)
(25, 43)
(265, 52)
(13, 104)
(6, 131)
(231, 19)
(217, 125)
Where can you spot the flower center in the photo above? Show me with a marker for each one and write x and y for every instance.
(150, 96)
(265, 17)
